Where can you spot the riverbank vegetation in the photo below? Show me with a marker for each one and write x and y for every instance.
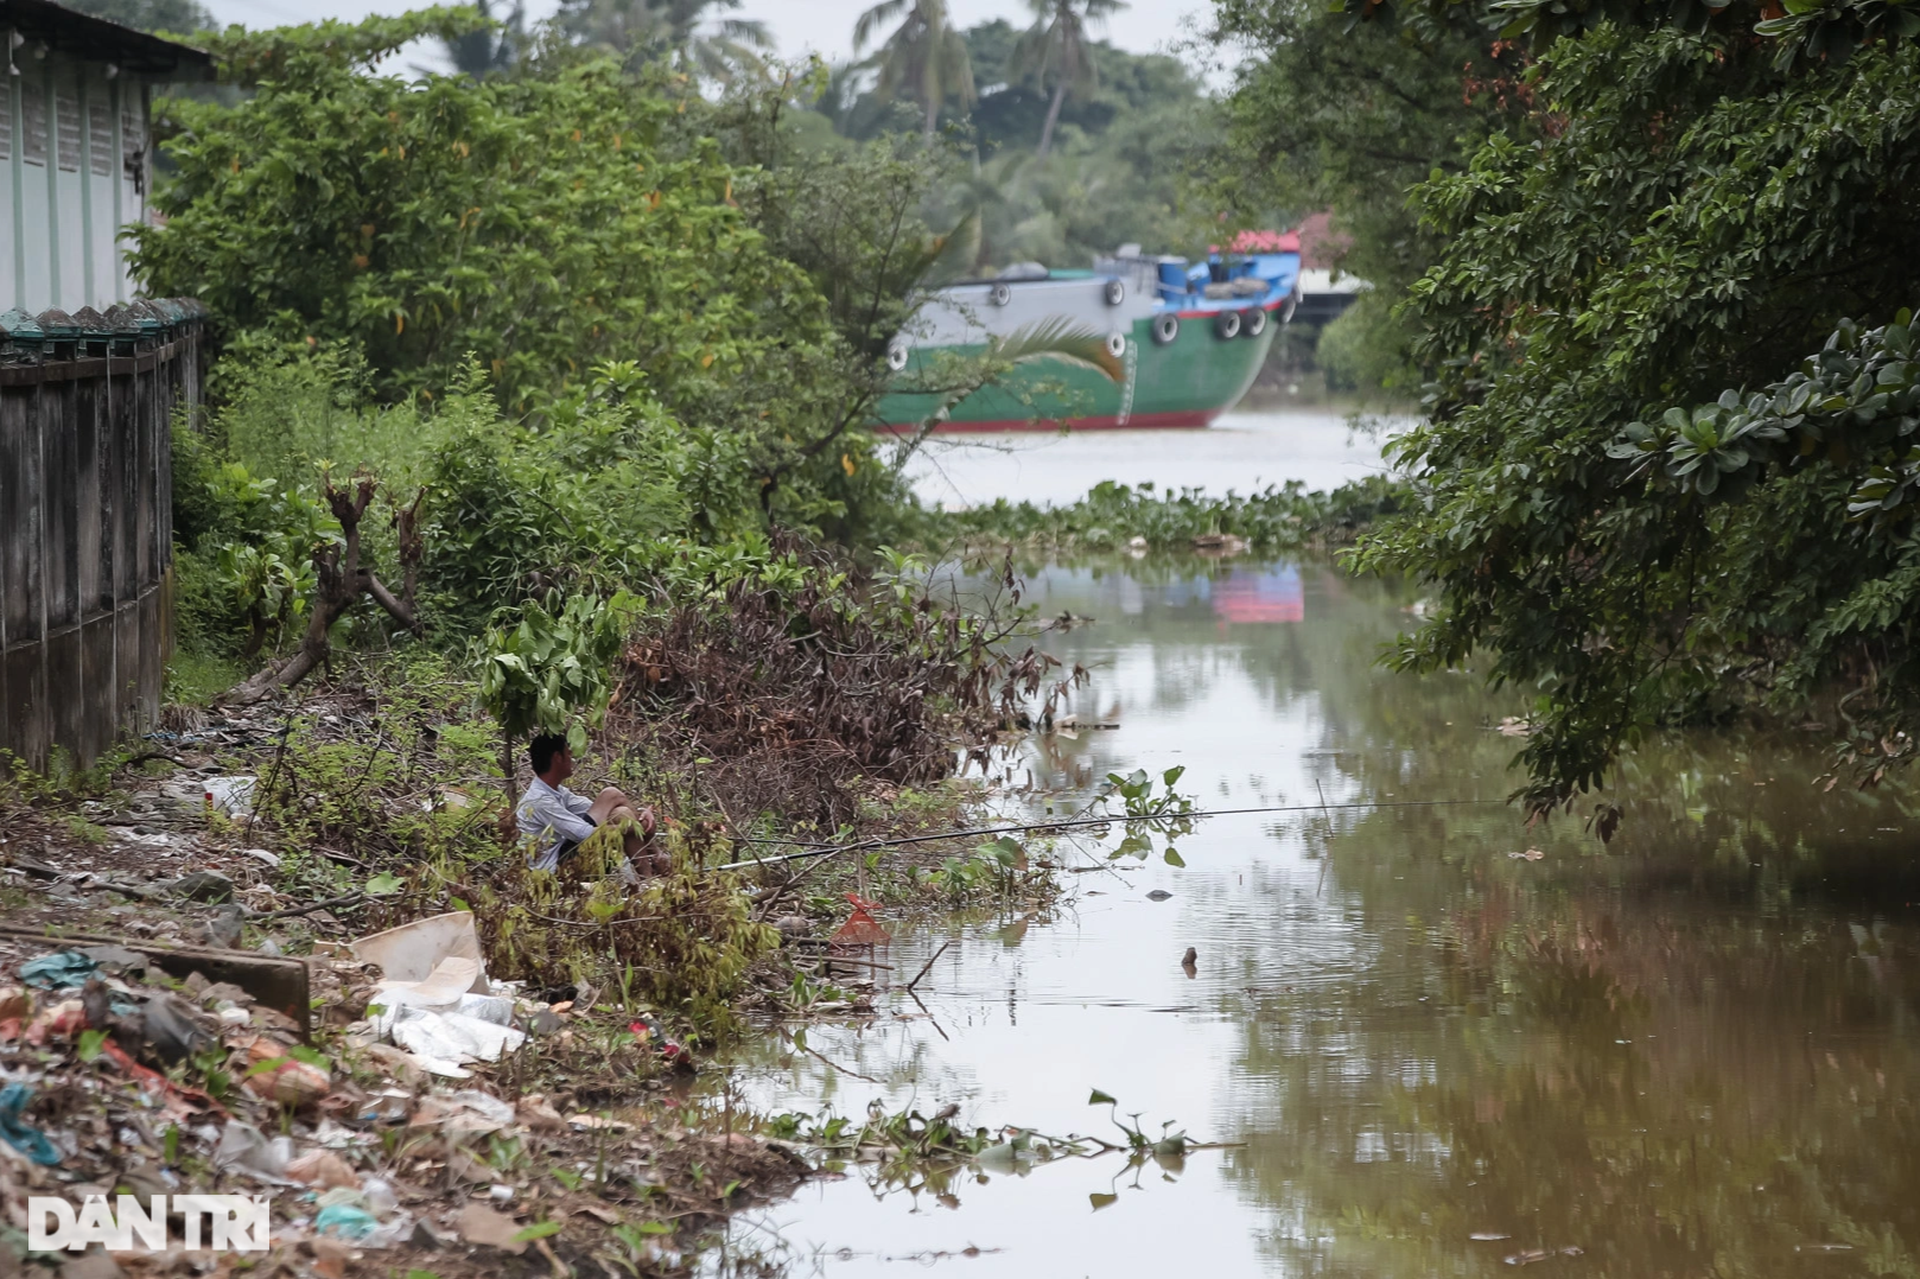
(1139, 518)
(540, 406)
(1656, 294)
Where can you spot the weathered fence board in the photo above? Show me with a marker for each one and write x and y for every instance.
(86, 520)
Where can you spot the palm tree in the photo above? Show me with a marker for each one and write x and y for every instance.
(1057, 45)
(640, 30)
(924, 55)
(491, 50)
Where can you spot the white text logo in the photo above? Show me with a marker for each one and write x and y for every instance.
(229, 1223)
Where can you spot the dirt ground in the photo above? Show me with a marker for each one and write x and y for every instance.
(579, 1152)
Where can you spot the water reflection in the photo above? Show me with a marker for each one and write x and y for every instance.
(1260, 595)
(1692, 1052)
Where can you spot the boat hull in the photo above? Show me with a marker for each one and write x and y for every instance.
(1187, 382)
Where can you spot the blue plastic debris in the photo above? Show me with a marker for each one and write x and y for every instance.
(20, 1134)
(345, 1221)
(62, 970)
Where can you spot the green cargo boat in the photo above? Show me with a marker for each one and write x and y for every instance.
(1190, 339)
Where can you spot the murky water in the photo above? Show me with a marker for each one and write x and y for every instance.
(1244, 450)
(1692, 1052)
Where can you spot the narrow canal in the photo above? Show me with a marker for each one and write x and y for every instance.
(1440, 1043)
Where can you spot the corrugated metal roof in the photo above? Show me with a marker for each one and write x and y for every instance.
(82, 35)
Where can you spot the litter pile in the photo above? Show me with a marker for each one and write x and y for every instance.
(373, 1102)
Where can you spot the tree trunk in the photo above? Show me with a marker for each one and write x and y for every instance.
(508, 822)
(933, 117)
(341, 582)
(1053, 118)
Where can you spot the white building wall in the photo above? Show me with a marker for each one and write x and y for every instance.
(9, 183)
(75, 173)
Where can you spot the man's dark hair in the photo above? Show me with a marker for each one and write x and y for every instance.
(543, 748)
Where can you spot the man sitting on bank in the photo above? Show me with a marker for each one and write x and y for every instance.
(560, 821)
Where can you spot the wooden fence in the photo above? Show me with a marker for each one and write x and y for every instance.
(86, 519)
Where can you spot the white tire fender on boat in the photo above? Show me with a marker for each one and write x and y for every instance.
(1226, 325)
(1116, 344)
(1115, 292)
(897, 356)
(999, 295)
(1166, 328)
(1253, 322)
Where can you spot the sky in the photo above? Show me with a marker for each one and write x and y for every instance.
(798, 26)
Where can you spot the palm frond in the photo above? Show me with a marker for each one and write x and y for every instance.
(746, 31)
(865, 25)
(1057, 338)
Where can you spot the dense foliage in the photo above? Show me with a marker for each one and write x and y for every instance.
(533, 222)
(1330, 115)
(1688, 219)
(1127, 133)
(1113, 516)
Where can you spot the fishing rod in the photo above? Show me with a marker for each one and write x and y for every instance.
(828, 850)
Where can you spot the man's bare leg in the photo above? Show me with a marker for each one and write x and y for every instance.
(612, 805)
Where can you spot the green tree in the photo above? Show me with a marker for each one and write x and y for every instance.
(527, 220)
(683, 31)
(1056, 48)
(1656, 486)
(1327, 114)
(542, 666)
(924, 57)
(489, 49)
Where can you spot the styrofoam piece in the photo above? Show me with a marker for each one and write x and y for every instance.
(413, 951)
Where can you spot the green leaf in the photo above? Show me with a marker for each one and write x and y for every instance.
(90, 1044)
(538, 1230)
(1173, 857)
(385, 884)
(1101, 1099)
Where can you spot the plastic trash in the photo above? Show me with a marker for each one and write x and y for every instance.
(439, 1018)
(173, 1034)
(230, 795)
(649, 1031)
(380, 1195)
(467, 1112)
(58, 1021)
(861, 928)
(345, 1196)
(448, 1037)
(244, 1146)
(285, 1079)
(62, 970)
(344, 1221)
(412, 952)
(20, 1134)
(322, 1168)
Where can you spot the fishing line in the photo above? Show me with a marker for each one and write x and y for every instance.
(828, 850)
